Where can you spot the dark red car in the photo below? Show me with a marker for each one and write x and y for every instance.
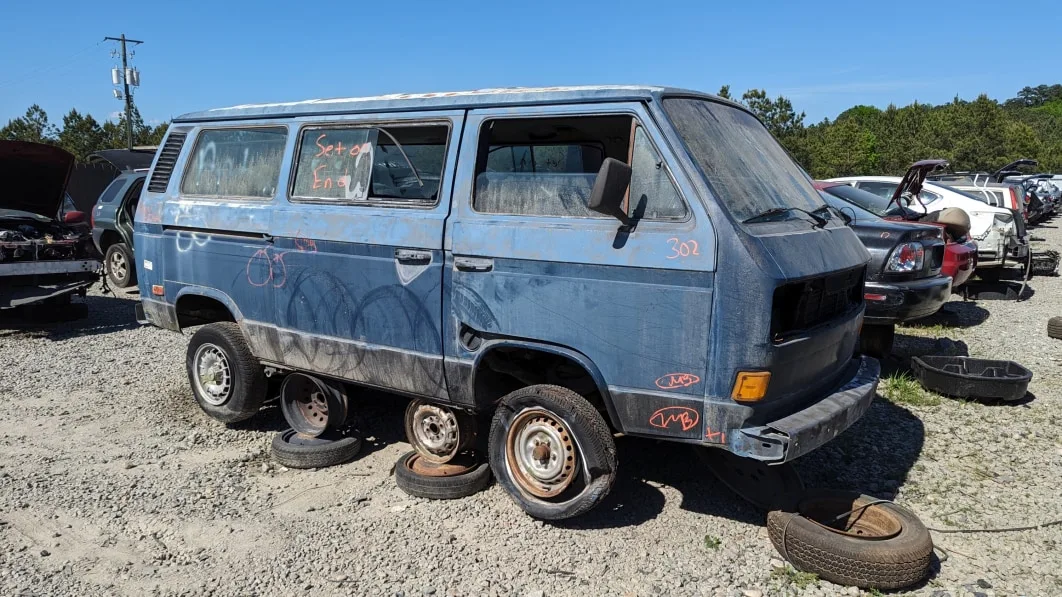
(960, 253)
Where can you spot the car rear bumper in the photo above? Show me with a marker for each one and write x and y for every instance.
(895, 303)
(807, 429)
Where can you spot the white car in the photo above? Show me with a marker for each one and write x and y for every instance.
(992, 227)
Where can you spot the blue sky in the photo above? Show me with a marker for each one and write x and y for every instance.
(826, 56)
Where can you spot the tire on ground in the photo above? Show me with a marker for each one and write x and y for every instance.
(892, 562)
(1054, 328)
(592, 437)
(129, 278)
(294, 450)
(248, 389)
(450, 487)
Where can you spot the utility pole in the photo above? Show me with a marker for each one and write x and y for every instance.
(125, 82)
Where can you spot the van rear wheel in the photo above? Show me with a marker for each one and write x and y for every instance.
(552, 452)
(226, 378)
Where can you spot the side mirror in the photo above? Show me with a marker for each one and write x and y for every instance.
(73, 217)
(848, 219)
(609, 189)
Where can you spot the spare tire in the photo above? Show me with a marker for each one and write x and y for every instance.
(852, 539)
(1054, 328)
(458, 478)
(295, 450)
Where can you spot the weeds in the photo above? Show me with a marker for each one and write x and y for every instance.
(934, 330)
(792, 576)
(711, 542)
(901, 388)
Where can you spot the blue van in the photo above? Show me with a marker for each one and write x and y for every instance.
(575, 262)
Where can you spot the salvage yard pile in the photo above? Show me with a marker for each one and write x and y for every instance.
(114, 482)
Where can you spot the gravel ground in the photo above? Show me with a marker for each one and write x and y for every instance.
(116, 484)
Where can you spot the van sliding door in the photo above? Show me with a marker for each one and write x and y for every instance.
(358, 250)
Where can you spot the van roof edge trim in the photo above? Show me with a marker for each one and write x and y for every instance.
(408, 102)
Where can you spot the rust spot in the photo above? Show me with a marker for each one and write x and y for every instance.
(685, 416)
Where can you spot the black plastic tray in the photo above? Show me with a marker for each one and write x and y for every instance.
(966, 377)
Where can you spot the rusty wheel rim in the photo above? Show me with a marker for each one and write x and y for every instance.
(859, 519)
(434, 431)
(541, 453)
(313, 408)
(458, 466)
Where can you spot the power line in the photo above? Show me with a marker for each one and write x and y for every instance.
(76, 57)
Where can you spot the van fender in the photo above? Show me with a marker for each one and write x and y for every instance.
(221, 297)
(581, 359)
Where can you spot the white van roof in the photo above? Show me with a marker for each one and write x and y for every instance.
(483, 98)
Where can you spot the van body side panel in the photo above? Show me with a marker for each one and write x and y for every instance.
(640, 314)
(349, 301)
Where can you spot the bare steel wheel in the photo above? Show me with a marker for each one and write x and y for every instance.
(541, 453)
(551, 451)
(311, 405)
(212, 374)
(436, 432)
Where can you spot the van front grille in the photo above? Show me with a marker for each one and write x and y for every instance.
(805, 304)
(160, 177)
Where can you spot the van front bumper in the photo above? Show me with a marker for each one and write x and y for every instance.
(805, 430)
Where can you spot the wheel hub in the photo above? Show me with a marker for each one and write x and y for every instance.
(118, 265)
(213, 375)
(541, 453)
(434, 431)
(313, 407)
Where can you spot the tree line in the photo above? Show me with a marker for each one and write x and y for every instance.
(982, 134)
(81, 134)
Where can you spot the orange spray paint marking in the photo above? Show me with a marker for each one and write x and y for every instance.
(685, 416)
(673, 381)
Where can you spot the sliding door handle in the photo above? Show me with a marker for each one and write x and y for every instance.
(412, 256)
(473, 264)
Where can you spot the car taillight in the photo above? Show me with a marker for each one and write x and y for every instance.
(907, 257)
(1014, 199)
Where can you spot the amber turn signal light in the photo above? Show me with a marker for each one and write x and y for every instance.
(751, 385)
(157, 290)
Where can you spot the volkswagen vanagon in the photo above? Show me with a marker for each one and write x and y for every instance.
(578, 262)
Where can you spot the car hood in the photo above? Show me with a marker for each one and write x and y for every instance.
(33, 177)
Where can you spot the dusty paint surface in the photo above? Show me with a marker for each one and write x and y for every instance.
(662, 318)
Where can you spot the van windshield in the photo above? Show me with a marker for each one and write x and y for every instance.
(746, 168)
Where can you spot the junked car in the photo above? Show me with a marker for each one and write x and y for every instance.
(569, 262)
(904, 277)
(43, 259)
(960, 253)
(993, 228)
(112, 227)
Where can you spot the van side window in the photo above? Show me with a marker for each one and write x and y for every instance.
(236, 162)
(547, 167)
(359, 164)
(653, 194)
